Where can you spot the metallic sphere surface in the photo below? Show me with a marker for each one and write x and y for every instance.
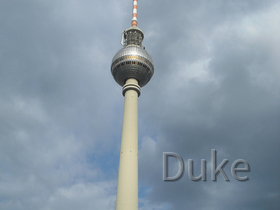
(132, 61)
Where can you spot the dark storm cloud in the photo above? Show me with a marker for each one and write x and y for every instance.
(216, 86)
(230, 103)
(53, 113)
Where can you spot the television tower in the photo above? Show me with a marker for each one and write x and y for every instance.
(132, 68)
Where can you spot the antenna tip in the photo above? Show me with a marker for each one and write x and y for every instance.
(134, 14)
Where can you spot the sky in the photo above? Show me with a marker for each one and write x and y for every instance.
(215, 86)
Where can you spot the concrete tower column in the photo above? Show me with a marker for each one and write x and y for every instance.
(132, 67)
(127, 192)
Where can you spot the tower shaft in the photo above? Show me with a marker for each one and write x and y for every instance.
(132, 67)
(127, 192)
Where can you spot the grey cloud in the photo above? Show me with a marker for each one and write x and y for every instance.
(216, 86)
(234, 109)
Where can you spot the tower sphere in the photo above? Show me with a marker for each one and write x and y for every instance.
(132, 61)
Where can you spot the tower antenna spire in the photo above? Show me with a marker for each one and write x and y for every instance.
(134, 14)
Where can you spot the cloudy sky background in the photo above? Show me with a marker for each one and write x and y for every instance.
(216, 86)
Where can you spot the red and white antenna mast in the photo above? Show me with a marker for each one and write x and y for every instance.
(134, 14)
